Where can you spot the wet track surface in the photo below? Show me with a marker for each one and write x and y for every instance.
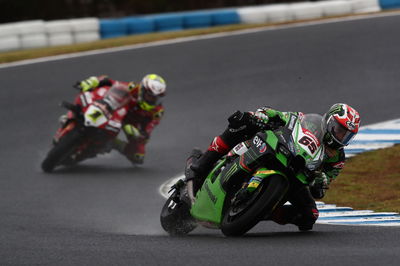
(104, 212)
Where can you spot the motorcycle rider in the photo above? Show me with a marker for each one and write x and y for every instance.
(339, 125)
(145, 112)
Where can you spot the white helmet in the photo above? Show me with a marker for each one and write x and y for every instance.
(151, 89)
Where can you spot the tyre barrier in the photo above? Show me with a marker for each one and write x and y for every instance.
(304, 11)
(225, 17)
(113, 28)
(197, 20)
(335, 8)
(38, 33)
(9, 39)
(139, 25)
(169, 22)
(388, 4)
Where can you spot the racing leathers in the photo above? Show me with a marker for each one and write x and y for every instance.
(138, 123)
(243, 126)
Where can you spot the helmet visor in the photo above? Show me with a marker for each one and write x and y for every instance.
(149, 97)
(341, 134)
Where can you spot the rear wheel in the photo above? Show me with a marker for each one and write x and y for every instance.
(241, 217)
(61, 150)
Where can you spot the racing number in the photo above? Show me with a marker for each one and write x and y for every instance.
(307, 141)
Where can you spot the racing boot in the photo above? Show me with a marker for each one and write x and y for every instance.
(202, 167)
(287, 214)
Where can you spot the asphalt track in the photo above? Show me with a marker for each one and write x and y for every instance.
(104, 212)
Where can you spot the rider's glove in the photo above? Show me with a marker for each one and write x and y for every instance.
(88, 84)
(240, 119)
(319, 186)
(273, 116)
(260, 119)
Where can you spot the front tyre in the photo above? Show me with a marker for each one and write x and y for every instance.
(175, 218)
(61, 150)
(238, 220)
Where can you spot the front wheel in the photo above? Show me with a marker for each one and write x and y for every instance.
(175, 218)
(61, 150)
(238, 219)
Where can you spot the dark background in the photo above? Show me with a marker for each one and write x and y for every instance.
(17, 10)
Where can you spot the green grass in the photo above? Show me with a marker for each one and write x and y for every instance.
(370, 180)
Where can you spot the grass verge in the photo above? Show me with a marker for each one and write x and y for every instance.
(370, 180)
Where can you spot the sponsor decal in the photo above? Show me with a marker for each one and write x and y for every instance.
(121, 112)
(214, 146)
(338, 165)
(311, 135)
(83, 100)
(301, 116)
(257, 141)
(350, 125)
(210, 194)
(263, 148)
(115, 124)
(101, 91)
(112, 128)
(237, 129)
(260, 144)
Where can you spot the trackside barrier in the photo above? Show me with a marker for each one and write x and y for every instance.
(140, 25)
(278, 13)
(9, 39)
(110, 28)
(387, 4)
(38, 33)
(197, 20)
(168, 22)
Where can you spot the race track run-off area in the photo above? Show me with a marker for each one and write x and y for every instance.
(103, 211)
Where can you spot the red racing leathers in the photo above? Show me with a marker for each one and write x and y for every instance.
(143, 121)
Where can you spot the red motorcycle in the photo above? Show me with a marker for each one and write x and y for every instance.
(92, 123)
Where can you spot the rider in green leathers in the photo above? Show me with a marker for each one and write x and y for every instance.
(339, 126)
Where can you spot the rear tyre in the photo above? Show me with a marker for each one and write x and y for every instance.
(176, 219)
(61, 150)
(238, 220)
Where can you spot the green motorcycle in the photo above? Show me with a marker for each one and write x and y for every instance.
(250, 182)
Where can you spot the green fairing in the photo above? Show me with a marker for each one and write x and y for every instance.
(210, 199)
(272, 140)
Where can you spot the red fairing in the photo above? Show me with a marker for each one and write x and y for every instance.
(85, 99)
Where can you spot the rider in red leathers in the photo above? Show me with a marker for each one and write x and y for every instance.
(145, 112)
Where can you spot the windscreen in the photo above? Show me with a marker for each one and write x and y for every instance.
(117, 96)
(313, 123)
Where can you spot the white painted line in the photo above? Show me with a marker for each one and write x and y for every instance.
(195, 38)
